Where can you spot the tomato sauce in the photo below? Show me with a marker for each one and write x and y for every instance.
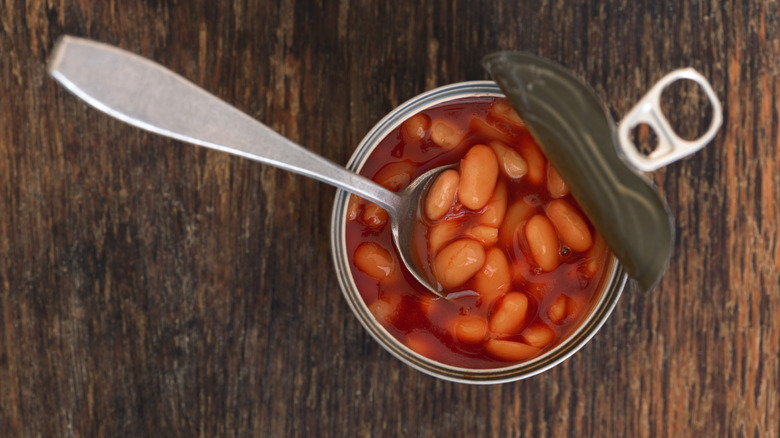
(533, 309)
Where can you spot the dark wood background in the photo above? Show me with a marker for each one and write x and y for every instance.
(152, 288)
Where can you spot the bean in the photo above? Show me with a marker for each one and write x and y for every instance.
(555, 184)
(571, 227)
(510, 315)
(421, 343)
(595, 258)
(543, 242)
(415, 128)
(353, 208)
(487, 236)
(509, 350)
(458, 262)
(478, 177)
(504, 111)
(512, 163)
(483, 127)
(442, 233)
(385, 308)
(495, 277)
(537, 163)
(395, 176)
(470, 329)
(516, 215)
(538, 335)
(573, 307)
(375, 261)
(494, 211)
(561, 309)
(375, 216)
(441, 195)
(446, 135)
(427, 303)
(557, 311)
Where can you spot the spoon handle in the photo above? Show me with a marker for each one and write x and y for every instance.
(149, 96)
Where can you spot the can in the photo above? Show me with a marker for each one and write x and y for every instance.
(612, 284)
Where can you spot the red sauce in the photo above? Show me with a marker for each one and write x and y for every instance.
(451, 331)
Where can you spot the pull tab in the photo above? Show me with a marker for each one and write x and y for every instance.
(670, 146)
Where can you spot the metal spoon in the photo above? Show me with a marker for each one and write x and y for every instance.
(149, 96)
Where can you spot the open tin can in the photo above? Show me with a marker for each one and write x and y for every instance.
(614, 276)
(561, 118)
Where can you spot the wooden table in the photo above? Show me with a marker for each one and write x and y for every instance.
(152, 288)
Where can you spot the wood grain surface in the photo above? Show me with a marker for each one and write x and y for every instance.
(153, 288)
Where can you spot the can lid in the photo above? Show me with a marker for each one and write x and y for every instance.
(576, 132)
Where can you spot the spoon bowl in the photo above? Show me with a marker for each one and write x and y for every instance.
(144, 94)
(405, 216)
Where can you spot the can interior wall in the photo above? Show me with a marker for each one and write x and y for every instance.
(609, 293)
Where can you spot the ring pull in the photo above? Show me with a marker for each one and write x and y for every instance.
(670, 146)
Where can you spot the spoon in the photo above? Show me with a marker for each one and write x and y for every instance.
(145, 94)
